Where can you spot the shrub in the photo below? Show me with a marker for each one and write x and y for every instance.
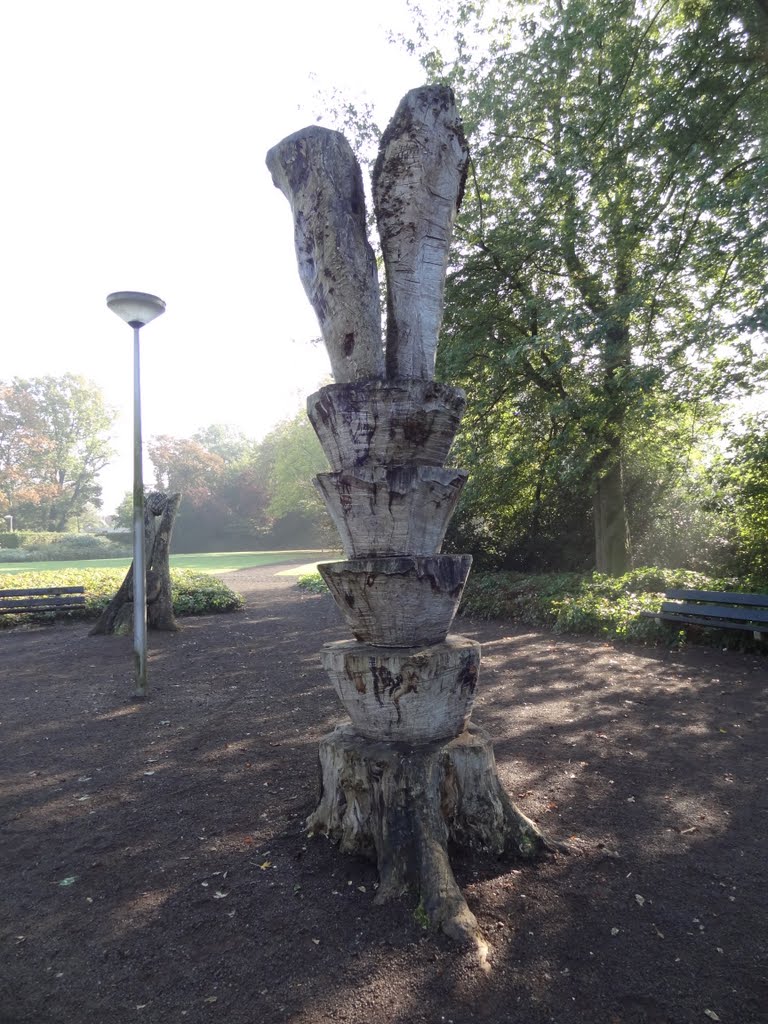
(313, 583)
(63, 547)
(193, 593)
(593, 604)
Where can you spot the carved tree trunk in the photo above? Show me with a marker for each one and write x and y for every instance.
(159, 514)
(410, 773)
(418, 182)
(320, 177)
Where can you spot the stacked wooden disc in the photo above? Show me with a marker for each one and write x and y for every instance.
(391, 499)
(387, 425)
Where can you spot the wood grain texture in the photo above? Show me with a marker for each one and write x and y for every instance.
(377, 423)
(418, 183)
(399, 510)
(398, 601)
(319, 174)
(402, 806)
(406, 695)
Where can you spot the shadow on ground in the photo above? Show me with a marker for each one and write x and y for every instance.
(157, 870)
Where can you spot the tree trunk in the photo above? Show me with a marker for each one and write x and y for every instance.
(418, 183)
(159, 514)
(611, 536)
(319, 175)
(401, 806)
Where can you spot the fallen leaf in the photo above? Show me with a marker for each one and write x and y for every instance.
(660, 934)
(361, 888)
(265, 865)
(211, 999)
(316, 941)
(219, 895)
(68, 881)
(615, 931)
(640, 900)
(711, 1013)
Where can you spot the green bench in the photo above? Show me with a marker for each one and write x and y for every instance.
(713, 609)
(41, 599)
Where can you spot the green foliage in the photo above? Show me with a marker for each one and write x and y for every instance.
(65, 547)
(27, 539)
(594, 604)
(745, 496)
(53, 443)
(312, 583)
(193, 593)
(239, 494)
(608, 293)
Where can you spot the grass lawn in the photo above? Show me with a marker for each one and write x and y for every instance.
(212, 562)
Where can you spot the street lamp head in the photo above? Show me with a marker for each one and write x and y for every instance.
(136, 308)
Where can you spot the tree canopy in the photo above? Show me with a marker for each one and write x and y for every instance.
(608, 292)
(54, 441)
(237, 493)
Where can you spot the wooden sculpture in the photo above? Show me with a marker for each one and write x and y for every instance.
(409, 773)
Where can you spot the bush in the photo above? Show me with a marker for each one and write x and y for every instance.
(593, 604)
(194, 593)
(63, 547)
(313, 583)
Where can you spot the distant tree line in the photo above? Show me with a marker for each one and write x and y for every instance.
(239, 494)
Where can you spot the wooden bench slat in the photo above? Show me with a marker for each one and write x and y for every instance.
(702, 620)
(40, 599)
(717, 597)
(41, 603)
(31, 591)
(718, 611)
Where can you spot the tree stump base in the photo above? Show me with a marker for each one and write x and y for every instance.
(401, 805)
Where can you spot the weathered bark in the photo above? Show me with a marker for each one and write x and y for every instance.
(320, 177)
(402, 806)
(392, 511)
(418, 183)
(398, 601)
(159, 514)
(610, 520)
(373, 423)
(406, 695)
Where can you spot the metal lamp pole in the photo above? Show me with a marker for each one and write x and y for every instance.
(137, 309)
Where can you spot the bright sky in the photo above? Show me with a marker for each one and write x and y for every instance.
(134, 134)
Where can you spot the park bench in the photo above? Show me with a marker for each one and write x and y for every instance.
(41, 599)
(716, 610)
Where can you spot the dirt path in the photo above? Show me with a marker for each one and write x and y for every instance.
(156, 869)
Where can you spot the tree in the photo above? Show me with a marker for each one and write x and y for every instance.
(745, 497)
(54, 441)
(239, 493)
(183, 465)
(610, 263)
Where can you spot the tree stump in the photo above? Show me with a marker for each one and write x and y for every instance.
(402, 806)
(117, 618)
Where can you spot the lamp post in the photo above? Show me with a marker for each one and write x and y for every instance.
(10, 522)
(137, 309)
